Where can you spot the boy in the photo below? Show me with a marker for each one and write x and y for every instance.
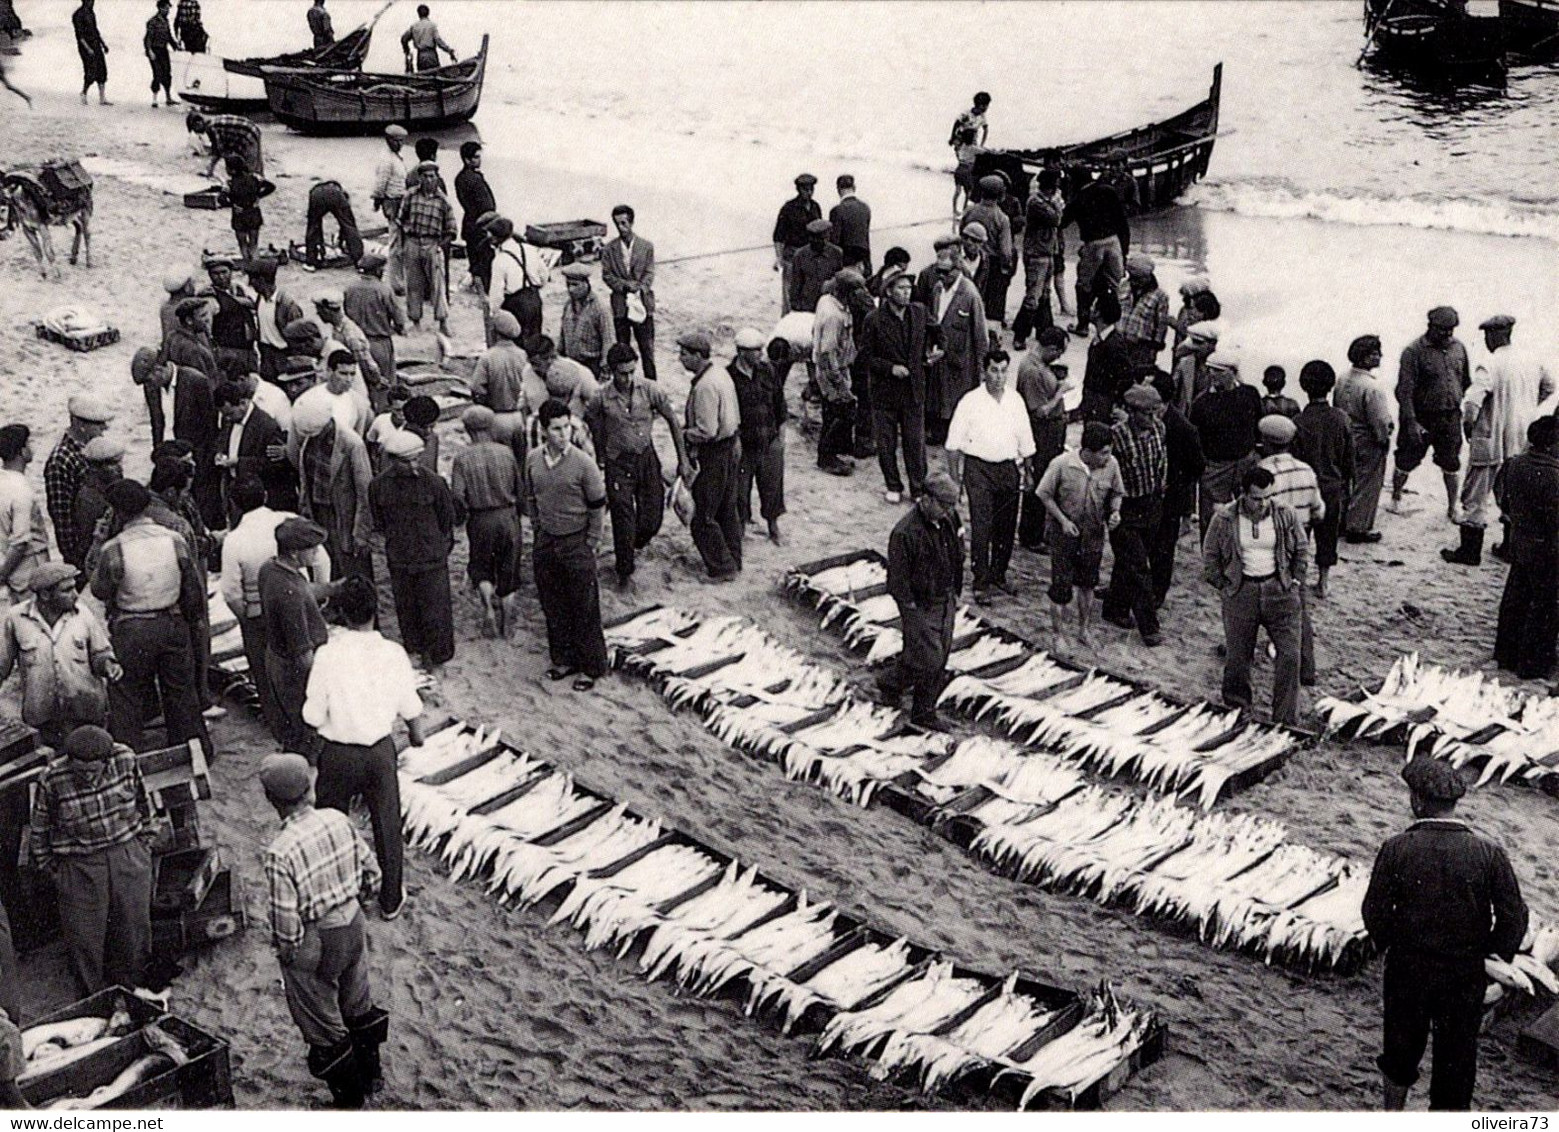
(1274, 378)
(1081, 492)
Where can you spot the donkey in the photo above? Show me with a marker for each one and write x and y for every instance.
(26, 207)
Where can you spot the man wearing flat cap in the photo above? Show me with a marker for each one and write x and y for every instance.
(427, 225)
(1432, 379)
(1145, 318)
(814, 265)
(1508, 385)
(760, 395)
(498, 382)
(333, 479)
(975, 258)
(292, 626)
(389, 191)
(1441, 897)
(65, 471)
(1001, 259)
(183, 398)
(105, 467)
(1295, 485)
(486, 487)
(179, 287)
(585, 329)
(91, 822)
(329, 306)
(318, 872)
(956, 363)
(833, 356)
(24, 541)
(925, 577)
(1227, 418)
(896, 341)
(413, 510)
(792, 232)
(712, 421)
(1139, 446)
(369, 302)
(63, 654)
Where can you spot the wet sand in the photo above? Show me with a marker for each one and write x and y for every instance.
(492, 1009)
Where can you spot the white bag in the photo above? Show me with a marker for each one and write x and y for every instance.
(636, 311)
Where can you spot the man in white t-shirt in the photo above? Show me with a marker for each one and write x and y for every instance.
(24, 541)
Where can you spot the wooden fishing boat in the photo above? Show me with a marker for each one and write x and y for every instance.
(1438, 39)
(236, 86)
(1531, 27)
(312, 101)
(1163, 158)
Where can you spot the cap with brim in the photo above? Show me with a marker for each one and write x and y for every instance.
(1497, 322)
(398, 132)
(1143, 397)
(576, 271)
(697, 341)
(1196, 285)
(1276, 427)
(1139, 264)
(89, 744)
(50, 574)
(478, 418)
(1225, 359)
(331, 298)
(974, 230)
(85, 407)
(805, 180)
(748, 339)
(1444, 317)
(427, 166)
(505, 325)
(371, 261)
(1208, 330)
(294, 370)
(102, 449)
(940, 486)
(313, 410)
(991, 183)
(299, 534)
(402, 444)
(944, 242)
(819, 227)
(892, 275)
(186, 307)
(1434, 779)
(286, 777)
(175, 281)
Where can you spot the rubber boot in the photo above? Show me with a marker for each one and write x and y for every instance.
(337, 1066)
(1084, 310)
(1499, 551)
(1393, 1097)
(1470, 553)
(368, 1033)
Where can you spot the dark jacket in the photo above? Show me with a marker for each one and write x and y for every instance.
(1325, 442)
(1108, 375)
(925, 559)
(475, 197)
(790, 227)
(415, 511)
(1098, 213)
(852, 221)
(191, 349)
(761, 398)
(1184, 449)
(1528, 491)
(809, 270)
(194, 415)
(260, 433)
(886, 341)
(1439, 888)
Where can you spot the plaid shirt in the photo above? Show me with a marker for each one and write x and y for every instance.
(1142, 457)
(83, 808)
(1147, 319)
(63, 474)
(316, 864)
(427, 216)
(229, 133)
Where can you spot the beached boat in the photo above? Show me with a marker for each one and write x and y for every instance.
(1531, 27)
(360, 102)
(236, 86)
(1163, 158)
(1438, 39)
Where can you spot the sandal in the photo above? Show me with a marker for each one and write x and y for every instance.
(560, 673)
(583, 683)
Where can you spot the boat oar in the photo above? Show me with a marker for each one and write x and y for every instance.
(1374, 28)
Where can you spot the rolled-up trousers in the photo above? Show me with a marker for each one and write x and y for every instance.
(764, 465)
(493, 542)
(570, 595)
(105, 903)
(1443, 995)
(424, 610)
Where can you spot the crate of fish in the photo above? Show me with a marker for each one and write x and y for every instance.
(81, 341)
(114, 1050)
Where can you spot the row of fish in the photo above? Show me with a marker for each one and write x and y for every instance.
(1100, 722)
(51, 1046)
(709, 923)
(1465, 718)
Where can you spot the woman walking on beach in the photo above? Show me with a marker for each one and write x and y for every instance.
(93, 51)
(245, 190)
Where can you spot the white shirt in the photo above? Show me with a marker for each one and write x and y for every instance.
(517, 266)
(994, 431)
(1258, 544)
(265, 315)
(236, 436)
(272, 401)
(21, 524)
(251, 545)
(359, 686)
(390, 177)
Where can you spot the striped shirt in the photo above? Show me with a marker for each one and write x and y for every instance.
(1143, 459)
(317, 864)
(1294, 484)
(485, 476)
(82, 808)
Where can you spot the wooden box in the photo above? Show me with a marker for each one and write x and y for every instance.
(218, 916)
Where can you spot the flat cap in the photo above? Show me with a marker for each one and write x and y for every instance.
(1277, 427)
(127, 496)
(299, 534)
(940, 486)
(1208, 329)
(371, 261)
(848, 278)
(1195, 285)
(992, 183)
(50, 574)
(395, 132)
(748, 339)
(505, 325)
(695, 340)
(13, 438)
(102, 449)
(287, 777)
(1444, 317)
(974, 230)
(944, 242)
(421, 410)
(189, 306)
(313, 410)
(1434, 779)
(805, 180)
(1497, 322)
(1145, 397)
(85, 407)
(478, 418)
(576, 271)
(295, 369)
(330, 298)
(1226, 357)
(89, 744)
(303, 331)
(1139, 263)
(403, 444)
(427, 167)
(819, 227)
(175, 281)
(892, 275)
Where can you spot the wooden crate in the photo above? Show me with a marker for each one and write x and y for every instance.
(181, 879)
(205, 1081)
(81, 343)
(219, 915)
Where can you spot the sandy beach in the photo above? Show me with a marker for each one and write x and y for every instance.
(491, 1008)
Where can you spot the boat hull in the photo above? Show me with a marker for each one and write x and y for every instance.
(205, 82)
(1442, 45)
(1531, 27)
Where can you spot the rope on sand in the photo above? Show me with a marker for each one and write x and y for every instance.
(770, 246)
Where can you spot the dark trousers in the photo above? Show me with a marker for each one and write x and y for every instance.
(570, 598)
(1131, 578)
(717, 524)
(348, 771)
(288, 677)
(105, 902)
(479, 260)
(330, 199)
(10, 988)
(1049, 442)
(525, 306)
(836, 438)
(252, 629)
(1327, 530)
(425, 612)
(922, 663)
(901, 421)
(1247, 607)
(861, 427)
(1033, 319)
(763, 464)
(636, 496)
(162, 72)
(158, 665)
(993, 518)
(327, 981)
(642, 337)
(996, 285)
(493, 539)
(1426, 994)
(1162, 543)
(1528, 620)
